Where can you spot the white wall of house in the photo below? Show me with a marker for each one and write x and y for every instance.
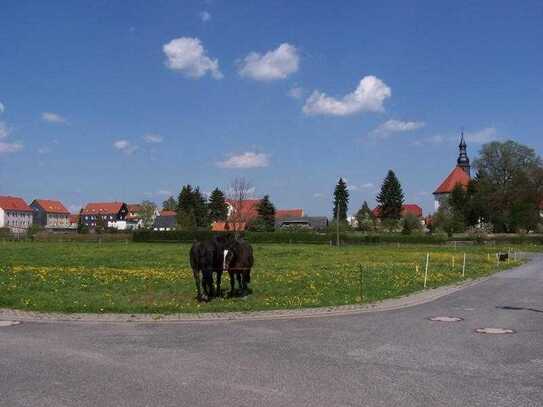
(57, 221)
(17, 221)
(2, 218)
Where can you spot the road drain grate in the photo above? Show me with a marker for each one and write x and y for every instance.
(4, 324)
(495, 331)
(446, 319)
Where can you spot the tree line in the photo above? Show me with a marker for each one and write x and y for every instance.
(504, 196)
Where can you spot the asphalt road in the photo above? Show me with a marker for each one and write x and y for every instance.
(392, 358)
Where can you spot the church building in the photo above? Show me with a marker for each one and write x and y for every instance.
(461, 174)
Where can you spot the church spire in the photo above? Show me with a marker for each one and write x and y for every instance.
(463, 160)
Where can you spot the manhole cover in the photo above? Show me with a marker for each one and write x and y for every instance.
(446, 319)
(8, 323)
(494, 331)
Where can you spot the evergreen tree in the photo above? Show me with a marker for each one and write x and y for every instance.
(266, 213)
(391, 197)
(458, 203)
(186, 217)
(218, 210)
(341, 200)
(200, 209)
(364, 218)
(169, 204)
(192, 209)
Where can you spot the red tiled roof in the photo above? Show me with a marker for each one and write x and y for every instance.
(13, 203)
(50, 206)
(222, 226)
(134, 208)
(102, 207)
(73, 218)
(168, 213)
(407, 208)
(289, 213)
(457, 176)
(413, 209)
(248, 208)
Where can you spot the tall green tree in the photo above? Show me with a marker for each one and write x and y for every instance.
(341, 201)
(364, 218)
(510, 184)
(148, 210)
(266, 213)
(169, 204)
(200, 209)
(192, 208)
(391, 197)
(218, 210)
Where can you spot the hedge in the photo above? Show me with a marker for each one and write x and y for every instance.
(288, 237)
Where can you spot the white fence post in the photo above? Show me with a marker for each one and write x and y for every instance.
(464, 267)
(426, 269)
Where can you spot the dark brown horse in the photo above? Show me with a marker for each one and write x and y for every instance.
(238, 261)
(206, 260)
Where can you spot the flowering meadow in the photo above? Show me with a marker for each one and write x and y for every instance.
(156, 278)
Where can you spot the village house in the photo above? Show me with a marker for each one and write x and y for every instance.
(317, 223)
(50, 214)
(15, 214)
(240, 214)
(461, 174)
(112, 214)
(135, 218)
(412, 209)
(165, 221)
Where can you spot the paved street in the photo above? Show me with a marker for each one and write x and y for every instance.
(392, 358)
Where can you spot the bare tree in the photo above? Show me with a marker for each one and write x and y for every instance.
(238, 192)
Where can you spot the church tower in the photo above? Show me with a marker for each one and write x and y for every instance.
(463, 160)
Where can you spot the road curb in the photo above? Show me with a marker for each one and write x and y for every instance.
(411, 300)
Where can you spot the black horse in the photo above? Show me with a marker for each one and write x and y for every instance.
(206, 258)
(238, 261)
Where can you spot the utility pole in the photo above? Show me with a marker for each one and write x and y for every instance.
(337, 223)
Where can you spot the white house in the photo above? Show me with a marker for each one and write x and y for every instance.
(15, 214)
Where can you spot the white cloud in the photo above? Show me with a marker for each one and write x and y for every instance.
(4, 130)
(246, 160)
(396, 126)
(276, 64)
(188, 56)
(2, 107)
(152, 138)
(53, 118)
(296, 92)
(164, 192)
(369, 96)
(125, 146)
(367, 185)
(205, 16)
(6, 148)
(318, 195)
(482, 136)
(44, 150)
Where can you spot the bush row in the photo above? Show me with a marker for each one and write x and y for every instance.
(288, 237)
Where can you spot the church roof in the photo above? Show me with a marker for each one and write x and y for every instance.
(457, 176)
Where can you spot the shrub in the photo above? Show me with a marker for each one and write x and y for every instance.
(410, 223)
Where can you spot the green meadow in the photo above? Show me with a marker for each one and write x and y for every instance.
(156, 277)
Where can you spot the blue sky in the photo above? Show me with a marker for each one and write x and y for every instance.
(115, 100)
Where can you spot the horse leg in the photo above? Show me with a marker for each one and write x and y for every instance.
(232, 292)
(238, 277)
(247, 280)
(198, 282)
(208, 285)
(218, 293)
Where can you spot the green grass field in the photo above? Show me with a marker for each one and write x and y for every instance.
(146, 277)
